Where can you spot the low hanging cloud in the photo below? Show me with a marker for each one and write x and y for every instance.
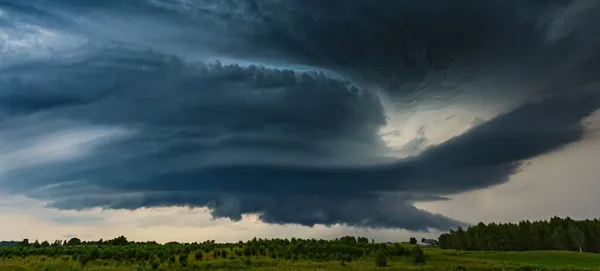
(282, 116)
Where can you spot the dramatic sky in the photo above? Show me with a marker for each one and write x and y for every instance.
(228, 119)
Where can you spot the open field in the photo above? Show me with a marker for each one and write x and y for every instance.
(555, 259)
(436, 259)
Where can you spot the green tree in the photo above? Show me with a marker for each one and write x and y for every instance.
(74, 242)
(83, 260)
(419, 255)
(482, 238)
(559, 238)
(557, 233)
(462, 238)
(380, 259)
(576, 235)
(524, 235)
(363, 240)
(183, 260)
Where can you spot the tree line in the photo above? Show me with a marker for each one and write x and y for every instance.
(74, 241)
(554, 234)
(151, 255)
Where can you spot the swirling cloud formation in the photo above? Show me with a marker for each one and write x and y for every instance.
(277, 107)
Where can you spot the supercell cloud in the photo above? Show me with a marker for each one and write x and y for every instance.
(279, 107)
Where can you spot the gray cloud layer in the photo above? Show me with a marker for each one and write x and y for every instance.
(294, 144)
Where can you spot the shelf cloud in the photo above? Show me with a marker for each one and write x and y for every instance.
(276, 108)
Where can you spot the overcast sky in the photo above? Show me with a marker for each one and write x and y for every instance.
(189, 120)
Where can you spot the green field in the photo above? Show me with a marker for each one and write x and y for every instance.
(539, 260)
(436, 259)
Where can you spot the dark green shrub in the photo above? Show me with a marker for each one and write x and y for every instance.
(380, 260)
(183, 260)
(419, 255)
(527, 268)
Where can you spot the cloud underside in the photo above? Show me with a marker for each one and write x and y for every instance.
(121, 126)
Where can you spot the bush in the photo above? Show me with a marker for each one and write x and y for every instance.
(345, 258)
(183, 260)
(380, 260)
(419, 255)
(198, 255)
(398, 250)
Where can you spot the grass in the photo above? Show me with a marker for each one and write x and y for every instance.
(550, 259)
(437, 259)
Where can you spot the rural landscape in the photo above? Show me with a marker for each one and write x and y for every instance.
(557, 244)
(348, 135)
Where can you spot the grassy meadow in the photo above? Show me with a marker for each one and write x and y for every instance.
(435, 259)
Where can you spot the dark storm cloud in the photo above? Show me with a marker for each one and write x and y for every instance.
(294, 146)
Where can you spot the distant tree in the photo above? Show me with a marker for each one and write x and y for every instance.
(413, 240)
(576, 236)
(74, 241)
(83, 260)
(45, 244)
(25, 242)
(398, 250)
(524, 236)
(119, 241)
(183, 260)
(198, 255)
(380, 260)
(559, 238)
(462, 238)
(419, 255)
(348, 240)
(554, 234)
(36, 244)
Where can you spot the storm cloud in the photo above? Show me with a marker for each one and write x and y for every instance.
(277, 107)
